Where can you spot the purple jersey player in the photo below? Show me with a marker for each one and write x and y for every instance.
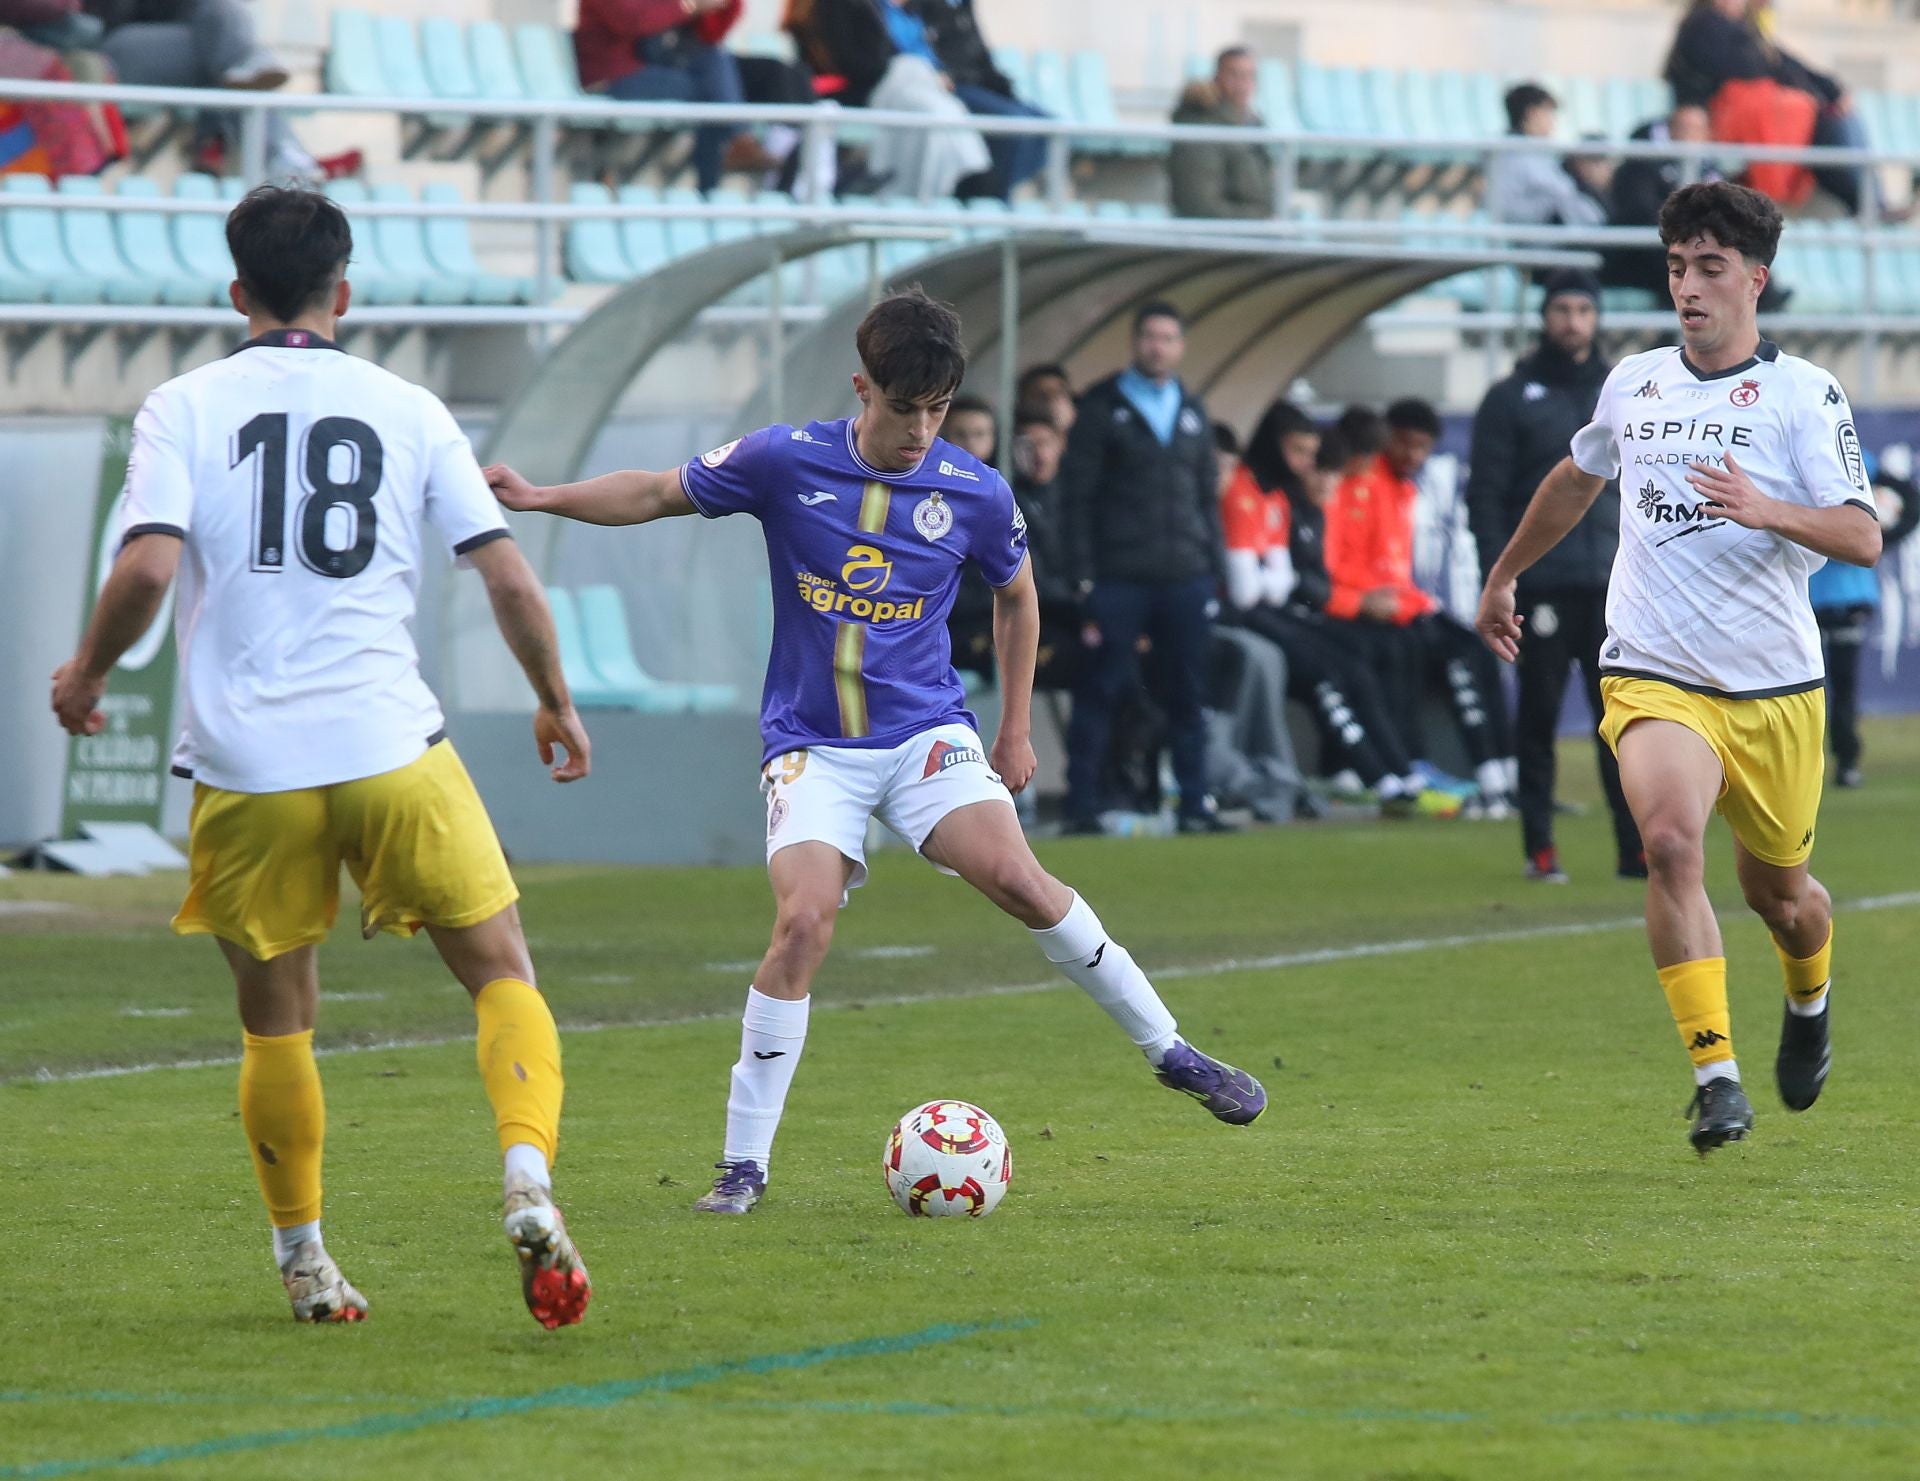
(868, 523)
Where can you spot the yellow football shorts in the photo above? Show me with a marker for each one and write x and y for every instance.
(1771, 754)
(265, 866)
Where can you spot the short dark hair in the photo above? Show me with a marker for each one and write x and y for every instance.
(1523, 99)
(1032, 416)
(1230, 54)
(1361, 431)
(290, 248)
(1278, 422)
(1157, 308)
(1733, 215)
(1411, 414)
(1047, 370)
(910, 346)
(967, 401)
(1334, 451)
(1225, 439)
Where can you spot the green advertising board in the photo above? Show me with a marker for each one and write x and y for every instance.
(119, 775)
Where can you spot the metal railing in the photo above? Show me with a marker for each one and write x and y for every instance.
(824, 124)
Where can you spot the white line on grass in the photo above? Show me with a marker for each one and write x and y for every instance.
(1176, 972)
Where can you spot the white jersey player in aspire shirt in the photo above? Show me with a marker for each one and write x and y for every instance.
(1740, 474)
(290, 487)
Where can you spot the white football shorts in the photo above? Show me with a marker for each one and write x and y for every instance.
(826, 794)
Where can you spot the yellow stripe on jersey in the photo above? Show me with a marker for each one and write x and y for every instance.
(874, 500)
(849, 653)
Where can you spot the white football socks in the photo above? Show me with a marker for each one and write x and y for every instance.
(772, 1033)
(1720, 1069)
(286, 1241)
(526, 1163)
(1080, 947)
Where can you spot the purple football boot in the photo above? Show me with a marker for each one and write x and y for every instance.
(1233, 1096)
(735, 1191)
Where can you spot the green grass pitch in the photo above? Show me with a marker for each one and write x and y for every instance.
(1467, 1240)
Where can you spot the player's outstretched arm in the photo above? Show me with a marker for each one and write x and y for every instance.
(1842, 532)
(526, 622)
(1561, 501)
(128, 604)
(631, 497)
(1016, 649)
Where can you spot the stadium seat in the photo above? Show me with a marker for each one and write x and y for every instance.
(609, 649)
(643, 240)
(402, 241)
(691, 233)
(1319, 108)
(1352, 105)
(16, 285)
(592, 251)
(1275, 96)
(353, 56)
(1420, 106)
(33, 241)
(1092, 87)
(400, 58)
(200, 239)
(1584, 108)
(1489, 108)
(590, 691)
(446, 59)
(1453, 100)
(449, 242)
(496, 72)
(146, 240)
(88, 238)
(1382, 91)
(1620, 105)
(375, 279)
(1652, 98)
(1011, 63)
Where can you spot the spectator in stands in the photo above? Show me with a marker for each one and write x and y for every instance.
(1401, 628)
(1844, 600)
(669, 51)
(1520, 435)
(209, 43)
(1640, 187)
(1143, 547)
(1277, 584)
(1038, 446)
(1250, 758)
(1724, 58)
(970, 426)
(1525, 188)
(962, 54)
(850, 46)
(1215, 180)
(1046, 390)
(44, 41)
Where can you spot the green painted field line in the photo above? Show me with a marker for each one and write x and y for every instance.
(568, 1396)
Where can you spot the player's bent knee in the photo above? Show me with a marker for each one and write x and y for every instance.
(804, 929)
(1673, 848)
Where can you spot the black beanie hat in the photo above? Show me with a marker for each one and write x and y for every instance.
(1572, 280)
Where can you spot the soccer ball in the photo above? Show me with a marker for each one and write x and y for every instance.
(947, 1157)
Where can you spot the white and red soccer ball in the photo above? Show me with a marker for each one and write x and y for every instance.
(946, 1158)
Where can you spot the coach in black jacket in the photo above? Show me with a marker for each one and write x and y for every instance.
(1139, 489)
(1520, 434)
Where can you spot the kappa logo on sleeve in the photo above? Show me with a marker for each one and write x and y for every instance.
(945, 755)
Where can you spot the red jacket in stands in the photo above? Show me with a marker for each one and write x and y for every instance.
(610, 31)
(1252, 519)
(1370, 543)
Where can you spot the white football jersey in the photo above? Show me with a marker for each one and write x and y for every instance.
(298, 477)
(1698, 600)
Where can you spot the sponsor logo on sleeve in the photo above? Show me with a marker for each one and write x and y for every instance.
(1019, 536)
(947, 470)
(1847, 442)
(720, 454)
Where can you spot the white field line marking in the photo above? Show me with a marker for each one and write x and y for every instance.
(155, 1012)
(1172, 973)
(893, 953)
(36, 907)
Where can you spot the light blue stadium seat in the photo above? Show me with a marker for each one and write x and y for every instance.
(1275, 98)
(146, 239)
(590, 691)
(1584, 108)
(1198, 67)
(1354, 106)
(644, 240)
(1011, 63)
(88, 238)
(1620, 105)
(375, 280)
(593, 252)
(609, 650)
(33, 241)
(1900, 280)
(496, 71)
(1381, 89)
(400, 57)
(448, 62)
(1420, 105)
(1093, 104)
(449, 242)
(353, 56)
(402, 241)
(1652, 97)
(547, 65)
(1453, 101)
(1617, 300)
(1052, 93)
(1319, 108)
(16, 285)
(1489, 107)
(775, 45)
(200, 239)
(691, 233)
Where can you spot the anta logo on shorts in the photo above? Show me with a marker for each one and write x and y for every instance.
(863, 577)
(946, 755)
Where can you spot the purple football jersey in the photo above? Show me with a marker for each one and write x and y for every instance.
(865, 566)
